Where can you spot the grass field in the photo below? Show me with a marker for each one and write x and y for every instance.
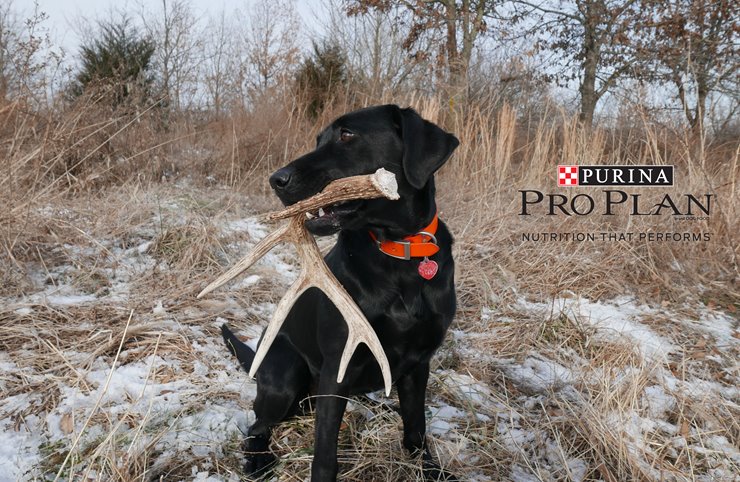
(568, 360)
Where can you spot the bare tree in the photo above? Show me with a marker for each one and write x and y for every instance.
(271, 44)
(175, 29)
(374, 46)
(28, 59)
(9, 29)
(502, 74)
(593, 41)
(458, 24)
(220, 63)
(695, 45)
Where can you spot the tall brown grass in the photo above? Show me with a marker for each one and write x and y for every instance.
(87, 147)
(108, 168)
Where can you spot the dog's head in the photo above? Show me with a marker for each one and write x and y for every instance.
(361, 142)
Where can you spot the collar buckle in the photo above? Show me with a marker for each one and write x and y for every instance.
(432, 238)
(406, 249)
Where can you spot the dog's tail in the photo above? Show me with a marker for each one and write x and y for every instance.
(243, 353)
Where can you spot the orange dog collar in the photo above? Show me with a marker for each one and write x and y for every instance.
(419, 245)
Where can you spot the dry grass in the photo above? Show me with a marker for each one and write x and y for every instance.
(135, 218)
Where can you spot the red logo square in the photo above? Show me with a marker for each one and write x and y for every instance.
(567, 175)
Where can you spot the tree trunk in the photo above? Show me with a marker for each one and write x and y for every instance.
(377, 86)
(697, 120)
(456, 71)
(458, 59)
(167, 51)
(587, 89)
(588, 95)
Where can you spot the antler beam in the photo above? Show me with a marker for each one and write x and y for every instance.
(314, 272)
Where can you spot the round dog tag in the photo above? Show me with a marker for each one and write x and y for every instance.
(428, 268)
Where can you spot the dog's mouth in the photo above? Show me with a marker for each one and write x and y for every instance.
(328, 220)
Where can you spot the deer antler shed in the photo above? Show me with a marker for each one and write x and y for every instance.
(315, 272)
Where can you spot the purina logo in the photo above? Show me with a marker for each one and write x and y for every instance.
(615, 175)
(614, 201)
(567, 175)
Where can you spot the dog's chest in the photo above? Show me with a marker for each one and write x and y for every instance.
(401, 305)
(404, 318)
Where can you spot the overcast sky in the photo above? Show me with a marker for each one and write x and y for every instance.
(64, 15)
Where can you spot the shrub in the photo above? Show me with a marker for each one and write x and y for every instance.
(319, 75)
(117, 60)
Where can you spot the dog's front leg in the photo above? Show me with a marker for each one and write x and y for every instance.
(330, 404)
(412, 389)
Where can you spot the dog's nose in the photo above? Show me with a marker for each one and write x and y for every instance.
(281, 178)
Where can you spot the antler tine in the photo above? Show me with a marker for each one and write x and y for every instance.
(314, 272)
(359, 330)
(261, 249)
(278, 318)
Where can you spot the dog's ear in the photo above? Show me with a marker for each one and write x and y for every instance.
(425, 147)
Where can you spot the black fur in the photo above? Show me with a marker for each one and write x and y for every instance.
(409, 314)
(243, 353)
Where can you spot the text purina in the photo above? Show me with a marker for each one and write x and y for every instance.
(625, 175)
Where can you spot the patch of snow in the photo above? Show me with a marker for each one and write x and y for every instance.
(206, 477)
(159, 309)
(514, 438)
(279, 260)
(19, 449)
(657, 401)
(550, 462)
(249, 281)
(262, 310)
(7, 368)
(537, 374)
(18, 403)
(720, 325)
(720, 444)
(144, 247)
(251, 226)
(440, 420)
(486, 313)
(617, 319)
(700, 389)
(473, 391)
(286, 270)
(523, 474)
(205, 432)
(69, 300)
(578, 469)
(130, 390)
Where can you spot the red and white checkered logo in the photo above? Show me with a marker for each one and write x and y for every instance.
(567, 175)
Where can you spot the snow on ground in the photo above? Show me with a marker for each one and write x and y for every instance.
(614, 319)
(19, 448)
(190, 402)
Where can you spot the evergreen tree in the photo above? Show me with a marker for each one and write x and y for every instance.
(118, 59)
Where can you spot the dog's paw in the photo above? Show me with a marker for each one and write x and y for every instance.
(259, 465)
(260, 461)
(434, 473)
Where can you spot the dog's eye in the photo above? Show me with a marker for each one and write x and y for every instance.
(345, 135)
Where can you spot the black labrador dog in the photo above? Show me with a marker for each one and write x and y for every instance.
(409, 313)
